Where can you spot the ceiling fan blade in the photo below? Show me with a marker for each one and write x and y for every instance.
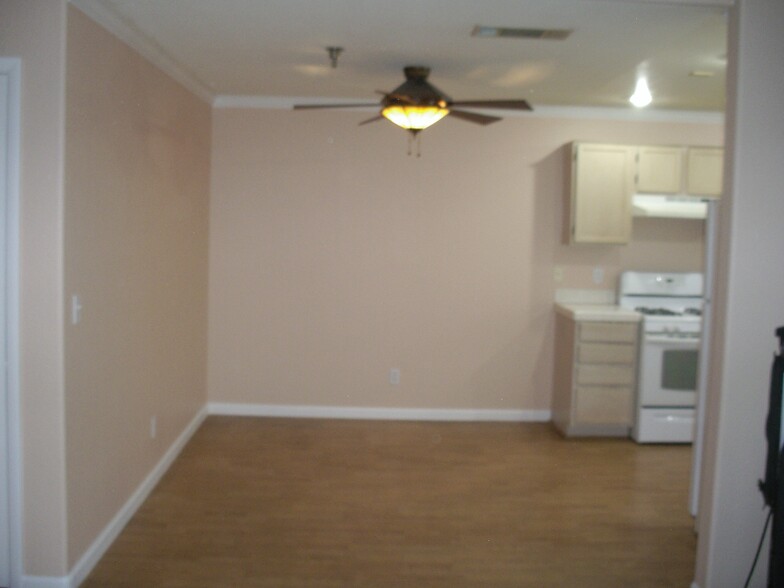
(370, 120)
(503, 104)
(480, 119)
(314, 106)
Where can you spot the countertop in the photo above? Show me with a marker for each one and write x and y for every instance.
(598, 312)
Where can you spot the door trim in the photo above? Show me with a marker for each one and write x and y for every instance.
(12, 69)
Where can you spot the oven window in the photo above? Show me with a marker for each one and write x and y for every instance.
(679, 369)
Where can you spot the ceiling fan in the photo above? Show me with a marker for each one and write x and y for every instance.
(416, 104)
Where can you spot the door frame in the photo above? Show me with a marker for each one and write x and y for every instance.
(11, 68)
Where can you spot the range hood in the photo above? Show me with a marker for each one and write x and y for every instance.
(664, 206)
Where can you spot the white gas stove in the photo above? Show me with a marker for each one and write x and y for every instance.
(671, 305)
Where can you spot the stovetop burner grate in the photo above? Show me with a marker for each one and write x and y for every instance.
(661, 311)
(656, 311)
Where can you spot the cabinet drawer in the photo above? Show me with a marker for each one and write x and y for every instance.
(613, 353)
(608, 332)
(605, 375)
(603, 405)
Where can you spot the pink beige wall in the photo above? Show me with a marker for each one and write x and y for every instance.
(656, 245)
(334, 257)
(136, 213)
(34, 30)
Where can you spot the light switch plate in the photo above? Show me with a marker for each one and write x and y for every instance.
(76, 310)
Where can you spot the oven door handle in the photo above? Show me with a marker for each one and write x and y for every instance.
(671, 340)
(674, 419)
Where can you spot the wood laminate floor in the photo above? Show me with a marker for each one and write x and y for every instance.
(301, 503)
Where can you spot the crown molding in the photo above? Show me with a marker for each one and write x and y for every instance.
(124, 30)
(719, 3)
(287, 102)
(628, 114)
(563, 112)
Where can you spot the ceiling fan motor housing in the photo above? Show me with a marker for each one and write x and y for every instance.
(416, 90)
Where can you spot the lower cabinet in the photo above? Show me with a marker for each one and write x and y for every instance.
(595, 377)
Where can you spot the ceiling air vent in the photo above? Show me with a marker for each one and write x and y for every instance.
(509, 33)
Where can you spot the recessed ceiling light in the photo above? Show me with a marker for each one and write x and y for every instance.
(701, 73)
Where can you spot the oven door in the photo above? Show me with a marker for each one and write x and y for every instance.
(668, 370)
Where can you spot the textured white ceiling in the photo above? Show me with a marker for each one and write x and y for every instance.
(276, 48)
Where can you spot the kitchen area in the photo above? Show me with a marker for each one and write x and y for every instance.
(631, 368)
(627, 358)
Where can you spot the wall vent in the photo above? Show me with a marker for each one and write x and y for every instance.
(510, 33)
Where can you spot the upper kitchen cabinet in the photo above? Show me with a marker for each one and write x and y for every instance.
(705, 167)
(685, 171)
(659, 170)
(602, 182)
(606, 180)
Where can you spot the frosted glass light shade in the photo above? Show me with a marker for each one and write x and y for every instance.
(414, 118)
(642, 94)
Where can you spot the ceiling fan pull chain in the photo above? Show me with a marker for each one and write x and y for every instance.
(414, 140)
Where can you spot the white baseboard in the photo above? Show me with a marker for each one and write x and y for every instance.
(45, 582)
(94, 553)
(376, 413)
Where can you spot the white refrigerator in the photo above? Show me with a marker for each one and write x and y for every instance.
(711, 227)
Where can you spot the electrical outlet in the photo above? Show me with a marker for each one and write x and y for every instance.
(394, 376)
(153, 427)
(558, 273)
(598, 275)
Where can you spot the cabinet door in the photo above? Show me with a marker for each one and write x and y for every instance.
(602, 186)
(659, 170)
(705, 169)
(604, 405)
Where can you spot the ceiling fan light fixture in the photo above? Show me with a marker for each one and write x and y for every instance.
(414, 117)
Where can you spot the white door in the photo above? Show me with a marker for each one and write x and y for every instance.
(5, 546)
